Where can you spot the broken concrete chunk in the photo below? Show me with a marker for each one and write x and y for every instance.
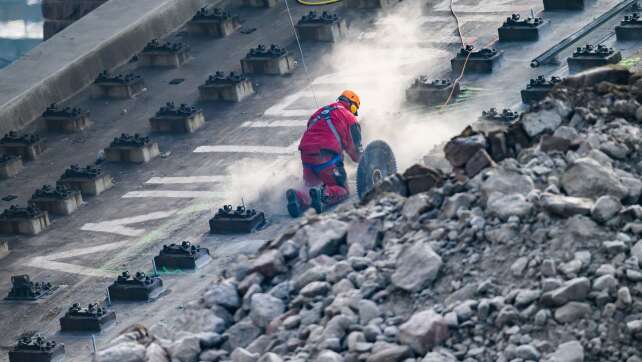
(423, 331)
(270, 357)
(417, 267)
(565, 206)
(223, 294)
(497, 145)
(455, 203)
(588, 178)
(505, 181)
(573, 290)
(324, 237)
(264, 308)
(242, 333)
(186, 349)
(611, 73)
(478, 162)
(605, 208)
(329, 356)
(391, 353)
(269, 263)
(460, 150)
(395, 184)
(572, 311)
(415, 205)
(536, 123)
(123, 352)
(553, 143)
(440, 356)
(315, 289)
(421, 179)
(505, 206)
(568, 352)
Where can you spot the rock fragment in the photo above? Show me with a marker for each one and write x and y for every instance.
(417, 266)
(568, 352)
(588, 178)
(423, 331)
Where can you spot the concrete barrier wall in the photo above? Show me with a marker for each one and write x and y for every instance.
(71, 60)
(59, 14)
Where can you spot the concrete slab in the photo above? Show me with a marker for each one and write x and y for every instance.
(70, 61)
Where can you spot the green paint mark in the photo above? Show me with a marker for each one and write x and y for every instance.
(165, 271)
(465, 94)
(629, 62)
(185, 216)
(174, 223)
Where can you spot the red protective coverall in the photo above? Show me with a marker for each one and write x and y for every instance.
(319, 145)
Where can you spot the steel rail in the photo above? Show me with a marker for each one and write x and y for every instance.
(549, 55)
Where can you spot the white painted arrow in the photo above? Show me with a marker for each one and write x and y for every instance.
(49, 261)
(281, 109)
(119, 226)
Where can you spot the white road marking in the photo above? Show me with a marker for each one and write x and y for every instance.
(446, 19)
(83, 251)
(69, 268)
(290, 112)
(485, 7)
(279, 109)
(274, 150)
(49, 261)
(274, 124)
(404, 44)
(373, 76)
(185, 180)
(119, 226)
(173, 194)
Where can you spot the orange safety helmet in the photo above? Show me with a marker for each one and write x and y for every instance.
(352, 98)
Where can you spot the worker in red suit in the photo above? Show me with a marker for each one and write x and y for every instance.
(331, 130)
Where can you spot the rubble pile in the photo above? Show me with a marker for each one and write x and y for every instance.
(529, 255)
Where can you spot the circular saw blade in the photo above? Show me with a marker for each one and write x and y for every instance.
(377, 162)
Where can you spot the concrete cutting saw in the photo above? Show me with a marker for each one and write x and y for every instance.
(377, 162)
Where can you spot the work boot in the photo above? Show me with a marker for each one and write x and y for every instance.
(316, 196)
(294, 206)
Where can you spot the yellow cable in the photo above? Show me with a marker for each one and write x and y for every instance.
(463, 45)
(317, 3)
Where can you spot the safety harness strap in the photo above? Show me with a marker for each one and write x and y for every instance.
(320, 167)
(325, 115)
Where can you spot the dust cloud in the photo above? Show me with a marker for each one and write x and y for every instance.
(379, 63)
(261, 184)
(383, 61)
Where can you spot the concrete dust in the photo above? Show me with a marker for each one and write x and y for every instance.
(261, 183)
(379, 72)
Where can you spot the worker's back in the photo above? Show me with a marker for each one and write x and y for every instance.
(320, 134)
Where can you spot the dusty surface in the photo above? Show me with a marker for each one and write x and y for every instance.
(379, 67)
